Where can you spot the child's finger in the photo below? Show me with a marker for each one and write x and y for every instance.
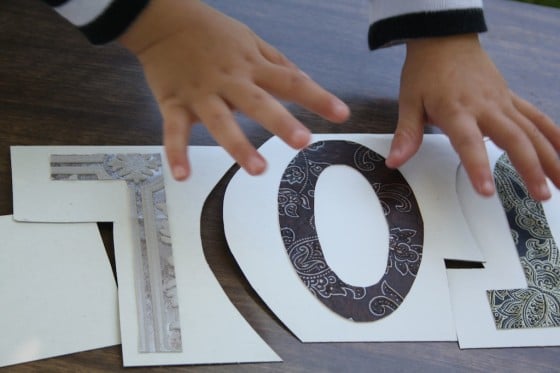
(548, 156)
(509, 136)
(218, 118)
(292, 85)
(544, 123)
(274, 55)
(176, 132)
(409, 132)
(257, 104)
(468, 142)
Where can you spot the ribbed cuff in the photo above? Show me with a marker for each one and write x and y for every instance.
(397, 29)
(55, 2)
(113, 21)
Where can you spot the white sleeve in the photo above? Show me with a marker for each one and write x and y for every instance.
(394, 21)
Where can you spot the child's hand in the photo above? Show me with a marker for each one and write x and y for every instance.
(452, 83)
(202, 65)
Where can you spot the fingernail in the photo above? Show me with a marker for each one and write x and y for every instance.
(395, 152)
(340, 109)
(255, 165)
(487, 187)
(300, 138)
(304, 74)
(544, 191)
(180, 173)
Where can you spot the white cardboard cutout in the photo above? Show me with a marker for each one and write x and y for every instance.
(502, 270)
(57, 290)
(253, 234)
(213, 331)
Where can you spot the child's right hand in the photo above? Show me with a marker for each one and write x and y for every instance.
(202, 65)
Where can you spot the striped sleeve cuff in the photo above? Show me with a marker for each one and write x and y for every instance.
(101, 21)
(430, 19)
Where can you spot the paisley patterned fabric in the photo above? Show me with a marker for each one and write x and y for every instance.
(539, 304)
(297, 224)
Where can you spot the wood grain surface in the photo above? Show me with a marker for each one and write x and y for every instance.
(56, 89)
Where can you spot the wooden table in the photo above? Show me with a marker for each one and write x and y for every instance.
(56, 89)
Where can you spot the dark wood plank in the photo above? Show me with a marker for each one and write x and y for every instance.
(56, 89)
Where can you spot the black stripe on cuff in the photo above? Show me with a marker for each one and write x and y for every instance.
(55, 2)
(114, 21)
(426, 24)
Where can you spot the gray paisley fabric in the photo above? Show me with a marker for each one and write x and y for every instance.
(156, 295)
(297, 224)
(539, 304)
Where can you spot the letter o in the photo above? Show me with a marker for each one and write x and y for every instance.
(297, 223)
